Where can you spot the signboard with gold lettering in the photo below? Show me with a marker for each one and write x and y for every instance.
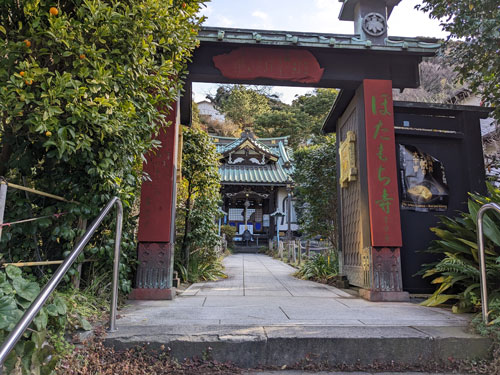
(347, 152)
(385, 222)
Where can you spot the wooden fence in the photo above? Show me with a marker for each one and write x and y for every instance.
(296, 250)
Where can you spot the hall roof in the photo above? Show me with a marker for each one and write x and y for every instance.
(276, 172)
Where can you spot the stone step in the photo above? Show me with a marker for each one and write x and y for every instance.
(300, 372)
(246, 249)
(279, 345)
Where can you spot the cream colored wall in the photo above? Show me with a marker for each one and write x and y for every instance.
(282, 194)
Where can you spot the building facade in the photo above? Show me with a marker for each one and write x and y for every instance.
(208, 112)
(256, 179)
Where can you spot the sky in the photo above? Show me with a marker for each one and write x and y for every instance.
(319, 16)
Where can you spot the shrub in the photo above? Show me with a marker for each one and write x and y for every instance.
(202, 268)
(230, 233)
(32, 351)
(320, 267)
(198, 199)
(457, 274)
(42, 345)
(80, 92)
(316, 189)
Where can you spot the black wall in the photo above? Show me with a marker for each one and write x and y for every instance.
(460, 151)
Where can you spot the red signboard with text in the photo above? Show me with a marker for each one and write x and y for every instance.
(385, 222)
(280, 64)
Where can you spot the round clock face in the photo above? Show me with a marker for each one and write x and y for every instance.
(374, 24)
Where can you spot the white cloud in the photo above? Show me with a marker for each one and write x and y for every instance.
(327, 5)
(406, 21)
(259, 14)
(325, 18)
(223, 21)
(263, 22)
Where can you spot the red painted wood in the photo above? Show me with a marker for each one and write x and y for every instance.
(156, 195)
(383, 195)
(280, 64)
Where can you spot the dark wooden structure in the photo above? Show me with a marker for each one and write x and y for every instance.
(450, 134)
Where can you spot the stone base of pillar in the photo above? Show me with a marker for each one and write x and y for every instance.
(383, 276)
(152, 294)
(378, 296)
(154, 276)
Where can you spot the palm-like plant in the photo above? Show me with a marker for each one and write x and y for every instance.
(457, 273)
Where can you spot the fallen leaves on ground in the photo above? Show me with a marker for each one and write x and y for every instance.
(94, 358)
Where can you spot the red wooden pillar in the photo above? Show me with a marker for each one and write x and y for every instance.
(383, 197)
(157, 218)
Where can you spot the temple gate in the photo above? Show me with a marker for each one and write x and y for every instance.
(366, 66)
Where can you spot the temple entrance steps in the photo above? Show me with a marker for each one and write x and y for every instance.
(250, 249)
(262, 315)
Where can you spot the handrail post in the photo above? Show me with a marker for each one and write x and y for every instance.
(116, 266)
(482, 260)
(3, 201)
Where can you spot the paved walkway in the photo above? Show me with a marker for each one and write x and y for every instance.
(261, 291)
(262, 315)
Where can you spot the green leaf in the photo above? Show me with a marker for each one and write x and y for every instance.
(28, 290)
(60, 305)
(9, 313)
(13, 272)
(11, 362)
(85, 324)
(41, 320)
(39, 338)
(24, 304)
(29, 349)
(495, 321)
(436, 300)
(52, 310)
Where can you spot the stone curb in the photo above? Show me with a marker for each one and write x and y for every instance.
(253, 346)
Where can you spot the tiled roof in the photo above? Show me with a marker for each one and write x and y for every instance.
(273, 173)
(265, 174)
(233, 145)
(288, 38)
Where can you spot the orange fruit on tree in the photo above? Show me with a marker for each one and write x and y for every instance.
(48, 133)
(28, 81)
(183, 5)
(27, 42)
(54, 11)
(21, 74)
(82, 56)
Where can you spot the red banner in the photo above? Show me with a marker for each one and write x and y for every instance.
(385, 222)
(281, 64)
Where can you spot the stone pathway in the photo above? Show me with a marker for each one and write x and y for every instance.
(261, 291)
(262, 315)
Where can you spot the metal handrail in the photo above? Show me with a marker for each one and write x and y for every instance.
(482, 261)
(42, 297)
